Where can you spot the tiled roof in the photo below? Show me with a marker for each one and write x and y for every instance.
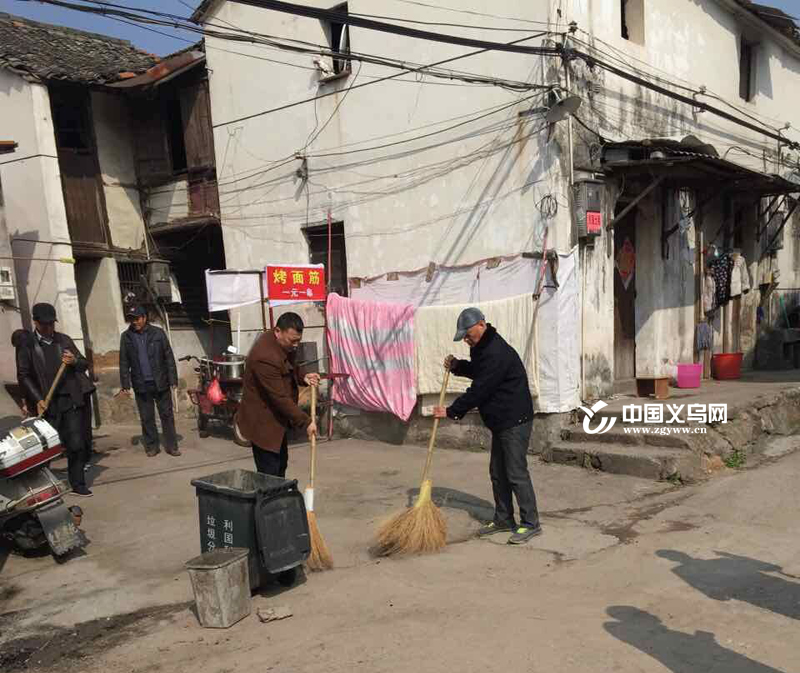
(776, 18)
(45, 52)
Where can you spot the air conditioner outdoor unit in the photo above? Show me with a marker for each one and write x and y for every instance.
(158, 278)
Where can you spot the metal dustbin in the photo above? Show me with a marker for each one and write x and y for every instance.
(264, 514)
(221, 585)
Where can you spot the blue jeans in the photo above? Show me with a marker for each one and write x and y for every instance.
(508, 469)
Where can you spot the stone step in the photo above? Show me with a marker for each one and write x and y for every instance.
(618, 435)
(638, 461)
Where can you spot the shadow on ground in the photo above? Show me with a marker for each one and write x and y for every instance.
(731, 577)
(677, 651)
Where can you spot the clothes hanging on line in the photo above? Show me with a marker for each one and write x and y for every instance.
(374, 344)
(514, 319)
(740, 277)
(709, 293)
(722, 270)
(704, 336)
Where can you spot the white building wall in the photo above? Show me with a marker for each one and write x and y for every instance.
(34, 204)
(115, 153)
(455, 203)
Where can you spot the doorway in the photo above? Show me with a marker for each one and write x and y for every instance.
(625, 296)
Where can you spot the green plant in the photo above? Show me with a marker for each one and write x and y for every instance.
(736, 459)
(675, 479)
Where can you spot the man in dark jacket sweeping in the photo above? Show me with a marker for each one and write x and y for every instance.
(40, 355)
(146, 362)
(500, 392)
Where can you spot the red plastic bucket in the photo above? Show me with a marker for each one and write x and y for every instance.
(689, 375)
(726, 366)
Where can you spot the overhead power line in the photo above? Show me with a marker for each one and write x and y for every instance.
(357, 20)
(558, 50)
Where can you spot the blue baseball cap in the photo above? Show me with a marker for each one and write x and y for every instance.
(469, 317)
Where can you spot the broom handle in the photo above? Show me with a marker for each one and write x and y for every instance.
(432, 442)
(313, 437)
(52, 390)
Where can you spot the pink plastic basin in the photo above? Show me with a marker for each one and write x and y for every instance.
(689, 375)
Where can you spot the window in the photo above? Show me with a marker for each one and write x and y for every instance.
(317, 238)
(71, 119)
(177, 143)
(747, 59)
(130, 283)
(632, 20)
(339, 41)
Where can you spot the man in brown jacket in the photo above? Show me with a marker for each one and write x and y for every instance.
(269, 400)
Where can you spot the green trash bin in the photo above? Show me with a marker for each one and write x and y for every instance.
(264, 514)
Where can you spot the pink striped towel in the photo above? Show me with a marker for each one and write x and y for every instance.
(374, 344)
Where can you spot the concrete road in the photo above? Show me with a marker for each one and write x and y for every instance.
(629, 576)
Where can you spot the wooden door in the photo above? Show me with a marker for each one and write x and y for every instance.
(80, 171)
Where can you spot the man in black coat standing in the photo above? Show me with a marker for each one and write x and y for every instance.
(40, 355)
(147, 364)
(501, 393)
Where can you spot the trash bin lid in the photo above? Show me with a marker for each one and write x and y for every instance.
(243, 484)
(219, 558)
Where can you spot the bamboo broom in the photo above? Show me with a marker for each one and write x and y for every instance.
(421, 528)
(320, 557)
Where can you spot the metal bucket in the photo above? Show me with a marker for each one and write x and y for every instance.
(231, 368)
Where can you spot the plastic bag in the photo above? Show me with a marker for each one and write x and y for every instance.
(214, 392)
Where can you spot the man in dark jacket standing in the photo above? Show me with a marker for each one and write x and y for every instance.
(500, 392)
(40, 355)
(147, 364)
(269, 400)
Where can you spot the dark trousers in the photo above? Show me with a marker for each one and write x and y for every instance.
(87, 428)
(148, 401)
(272, 462)
(508, 469)
(69, 423)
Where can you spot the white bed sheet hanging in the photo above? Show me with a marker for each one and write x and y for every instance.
(558, 315)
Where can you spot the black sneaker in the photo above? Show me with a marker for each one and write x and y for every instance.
(523, 534)
(82, 491)
(492, 528)
(173, 452)
(152, 452)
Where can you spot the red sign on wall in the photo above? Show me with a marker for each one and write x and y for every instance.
(293, 283)
(594, 222)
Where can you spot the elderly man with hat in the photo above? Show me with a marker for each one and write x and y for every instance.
(147, 364)
(501, 394)
(40, 355)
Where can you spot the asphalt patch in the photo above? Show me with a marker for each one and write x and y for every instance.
(68, 648)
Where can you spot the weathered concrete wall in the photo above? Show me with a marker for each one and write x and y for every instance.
(168, 202)
(664, 294)
(35, 215)
(102, 311)
(10, 319)
(455, 203)
(115, 152)
(467, 194)
(468, 435)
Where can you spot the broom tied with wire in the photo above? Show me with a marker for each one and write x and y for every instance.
(320, 557)
(421, 528)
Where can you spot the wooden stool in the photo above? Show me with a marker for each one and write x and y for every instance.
(657, 386)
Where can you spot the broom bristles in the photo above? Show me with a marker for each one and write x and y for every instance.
(320, 557)
(420, 529)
